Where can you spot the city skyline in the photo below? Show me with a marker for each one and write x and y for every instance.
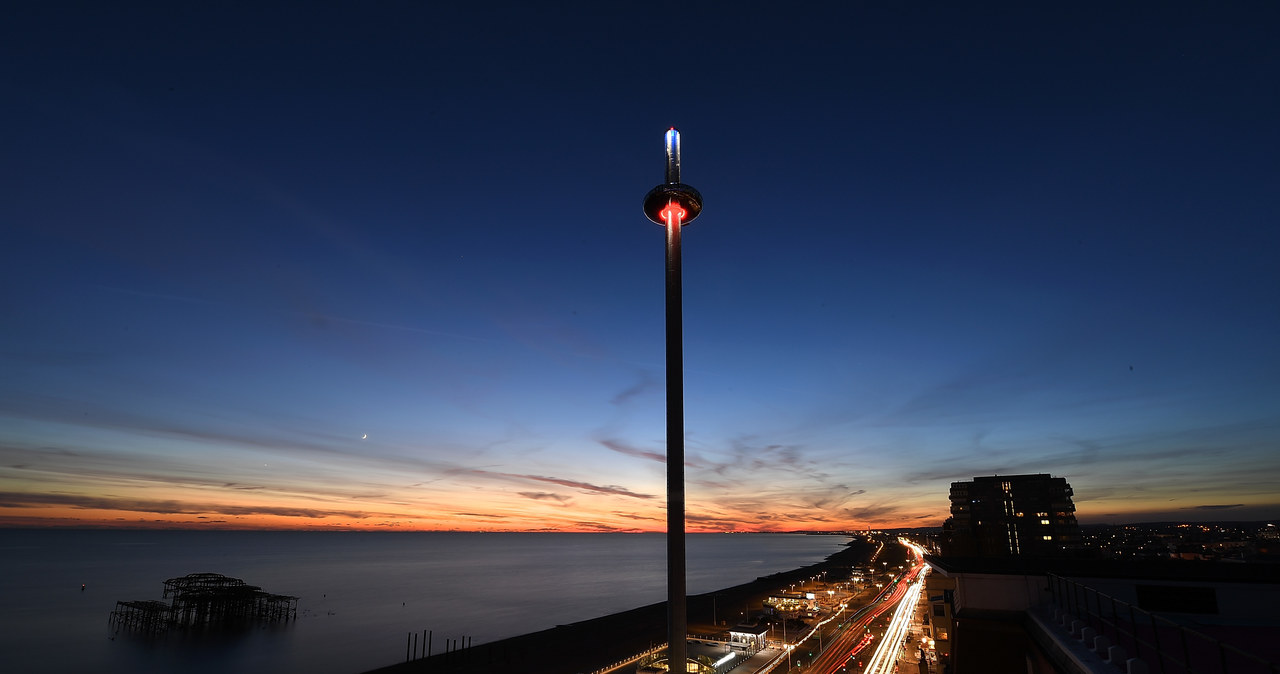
(298, 266)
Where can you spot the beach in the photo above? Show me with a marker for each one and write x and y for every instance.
(590, 645)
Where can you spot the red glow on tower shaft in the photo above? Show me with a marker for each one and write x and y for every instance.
(672, 211)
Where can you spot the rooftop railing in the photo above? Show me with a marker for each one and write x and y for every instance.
(1171, 648)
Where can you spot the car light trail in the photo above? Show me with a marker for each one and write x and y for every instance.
(886, 653)
(855, 635)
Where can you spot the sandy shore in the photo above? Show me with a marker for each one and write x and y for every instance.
(591, 644)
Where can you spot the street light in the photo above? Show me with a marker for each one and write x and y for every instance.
(674, 204)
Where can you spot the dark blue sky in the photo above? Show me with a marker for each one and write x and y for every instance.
(316, 264)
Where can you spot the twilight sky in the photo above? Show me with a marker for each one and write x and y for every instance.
(384, 265)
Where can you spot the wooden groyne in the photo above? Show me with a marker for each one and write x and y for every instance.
(202, 601)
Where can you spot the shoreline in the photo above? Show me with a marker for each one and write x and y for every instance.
(588, 645)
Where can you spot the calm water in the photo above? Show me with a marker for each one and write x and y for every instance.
(359, 593)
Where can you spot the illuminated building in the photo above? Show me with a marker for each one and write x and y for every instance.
(753, 636)
(789, 603)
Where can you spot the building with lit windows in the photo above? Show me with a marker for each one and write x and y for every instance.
(1011, 515)
(790, 604)
(753, 636)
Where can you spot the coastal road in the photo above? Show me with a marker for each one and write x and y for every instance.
(857, 634)
(885, 658)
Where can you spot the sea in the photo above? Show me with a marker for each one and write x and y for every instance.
(360, 593)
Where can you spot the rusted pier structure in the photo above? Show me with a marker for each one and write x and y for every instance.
(150, 616)
(204, 600)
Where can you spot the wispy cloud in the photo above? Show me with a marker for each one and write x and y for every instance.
(634, 516)
(873, 512)
(612, 490)
(623, 448)
(546, 496)
(645, 384)
(747, 455)
(588, 525)
(170, 507)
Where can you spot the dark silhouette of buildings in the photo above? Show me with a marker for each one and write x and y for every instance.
(1014, 590)
(1043, 615)
(1011, 515)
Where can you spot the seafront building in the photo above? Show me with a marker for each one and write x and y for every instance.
(1014, 591)
(1041, 616)
(790, 604)
(749, 635)
(1011, 515)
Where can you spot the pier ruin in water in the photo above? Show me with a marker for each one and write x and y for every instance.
(203, 600)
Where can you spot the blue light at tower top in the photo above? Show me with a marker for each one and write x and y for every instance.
(672, 190)
(672, 139)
